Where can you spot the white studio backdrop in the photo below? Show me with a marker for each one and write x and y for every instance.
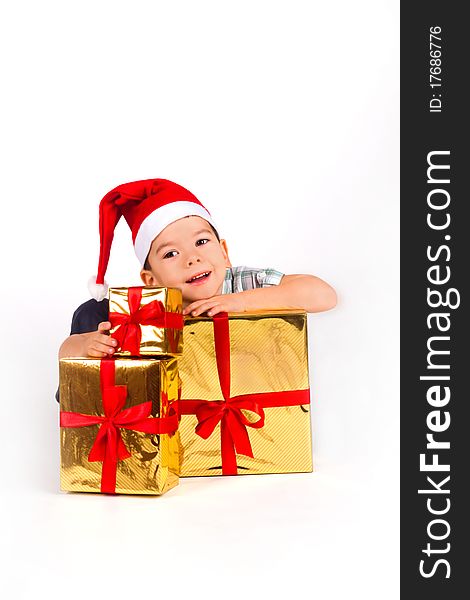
(282, 118)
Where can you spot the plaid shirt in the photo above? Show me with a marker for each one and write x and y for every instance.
(239, 279)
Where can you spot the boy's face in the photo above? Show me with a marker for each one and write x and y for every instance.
(188, 255)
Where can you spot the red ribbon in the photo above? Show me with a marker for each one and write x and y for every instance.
(108, 447)
(129, 333)
(228, 412)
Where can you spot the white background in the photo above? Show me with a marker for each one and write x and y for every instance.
(282, 117)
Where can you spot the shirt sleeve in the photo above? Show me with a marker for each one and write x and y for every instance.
(89, 315)
(268, 277)
(240, 279)
(87, 318)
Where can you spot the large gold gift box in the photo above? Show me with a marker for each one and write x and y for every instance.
(148, 392)
(266, 399)
(147, 321)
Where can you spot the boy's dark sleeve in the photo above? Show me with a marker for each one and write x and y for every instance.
(87, 317)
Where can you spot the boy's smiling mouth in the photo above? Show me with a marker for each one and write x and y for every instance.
(199, 278)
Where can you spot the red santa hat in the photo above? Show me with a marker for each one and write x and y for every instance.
(148, 207)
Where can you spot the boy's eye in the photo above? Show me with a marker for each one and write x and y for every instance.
(201, 242)
(170, 254)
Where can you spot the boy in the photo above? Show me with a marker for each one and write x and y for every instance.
(178, 246)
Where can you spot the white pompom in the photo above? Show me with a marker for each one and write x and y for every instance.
(98, 291)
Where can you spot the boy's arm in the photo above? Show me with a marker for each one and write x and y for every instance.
(305, 292)
(96, 344)
(89, 324)
(87, 333)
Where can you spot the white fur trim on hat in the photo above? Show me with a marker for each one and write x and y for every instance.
(160, 218)
(98, 291)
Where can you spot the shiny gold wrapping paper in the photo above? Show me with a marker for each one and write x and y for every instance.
(156, 341)
(154, 464)
(268, 354)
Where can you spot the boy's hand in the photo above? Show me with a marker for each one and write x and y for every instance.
(216, 304)
(98, 344)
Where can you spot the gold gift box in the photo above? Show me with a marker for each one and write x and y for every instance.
(153, 465)
(268, 354)
(155, 340)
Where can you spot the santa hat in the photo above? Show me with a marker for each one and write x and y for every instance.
(148, 207)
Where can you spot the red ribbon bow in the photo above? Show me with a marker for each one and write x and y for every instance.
(129, 333)
(228, 412)
(109, 447)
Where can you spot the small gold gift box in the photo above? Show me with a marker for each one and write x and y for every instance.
(146, 321)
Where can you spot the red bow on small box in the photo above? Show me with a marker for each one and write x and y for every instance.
(108, 446)
(128, 327)
(228, 412)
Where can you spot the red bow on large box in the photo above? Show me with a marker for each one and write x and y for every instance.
(109, 447)
(228, 412)
(128, 332)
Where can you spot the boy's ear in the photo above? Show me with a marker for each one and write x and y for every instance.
(147, 277)
(223, 245)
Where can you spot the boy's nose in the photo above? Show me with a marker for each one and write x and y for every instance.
(193, 260)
